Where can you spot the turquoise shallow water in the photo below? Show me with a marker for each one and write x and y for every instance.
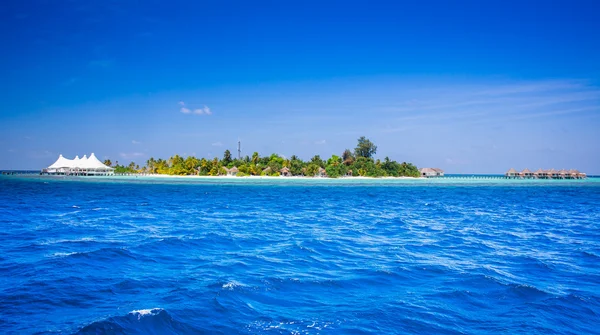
(157, 256)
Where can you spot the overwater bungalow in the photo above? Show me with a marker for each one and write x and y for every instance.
(431, 172)
(539, 174)
(512, 173)
(575, 174)
(285, 172)
(563, 174)
(526, 173)
(545, 174)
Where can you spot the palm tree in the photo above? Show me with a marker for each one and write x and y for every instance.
(107, 162)
(151, 163)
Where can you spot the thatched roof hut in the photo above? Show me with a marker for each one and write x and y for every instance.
(285, 172)
(233, 171)
(539, 173)
(512, 173)
(267, 170)
(349, 173)
(322, 172)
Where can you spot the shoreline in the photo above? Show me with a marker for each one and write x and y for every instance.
(467, 180)
(166, 176)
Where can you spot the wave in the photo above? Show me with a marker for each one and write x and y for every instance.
(103, 256)
(589, 254)
(60, 241)
(143, 321)
(231, 285)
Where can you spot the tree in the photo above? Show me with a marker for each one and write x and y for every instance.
(191, 164)
(107, 162)
(226, 157)
(317, 161)
(347, 157)
(333, 171)
(150, 164)
(365, 148)
(334, 160)
(312, 169)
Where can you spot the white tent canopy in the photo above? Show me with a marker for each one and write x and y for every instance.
(61, 162)
(79, 166)
(93, 163)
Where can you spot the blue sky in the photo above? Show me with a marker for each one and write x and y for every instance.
(468, 86)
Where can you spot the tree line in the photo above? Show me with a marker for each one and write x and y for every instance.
(359, 162)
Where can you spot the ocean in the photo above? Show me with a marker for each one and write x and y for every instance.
(240, 256)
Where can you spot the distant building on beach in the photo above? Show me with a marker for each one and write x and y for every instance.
(545, 174)
(233, 171)
(285, 172)
(431, 172)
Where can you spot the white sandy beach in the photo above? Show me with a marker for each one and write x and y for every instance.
(261, 177)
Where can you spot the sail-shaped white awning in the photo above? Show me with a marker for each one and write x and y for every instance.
(61, 162)
(93, 162)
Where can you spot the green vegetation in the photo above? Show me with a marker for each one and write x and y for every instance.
(359, 162)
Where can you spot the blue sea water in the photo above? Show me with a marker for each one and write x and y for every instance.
(146, 256)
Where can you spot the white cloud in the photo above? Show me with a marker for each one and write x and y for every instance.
(203, 111)
(135, 142)
(185, 109)
(217, 144)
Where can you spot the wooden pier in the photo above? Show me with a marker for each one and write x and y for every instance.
(19, 173)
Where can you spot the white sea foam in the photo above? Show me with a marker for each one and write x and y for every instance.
(144, 312)
(63, 254)
(83, 239)
(232, 284)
